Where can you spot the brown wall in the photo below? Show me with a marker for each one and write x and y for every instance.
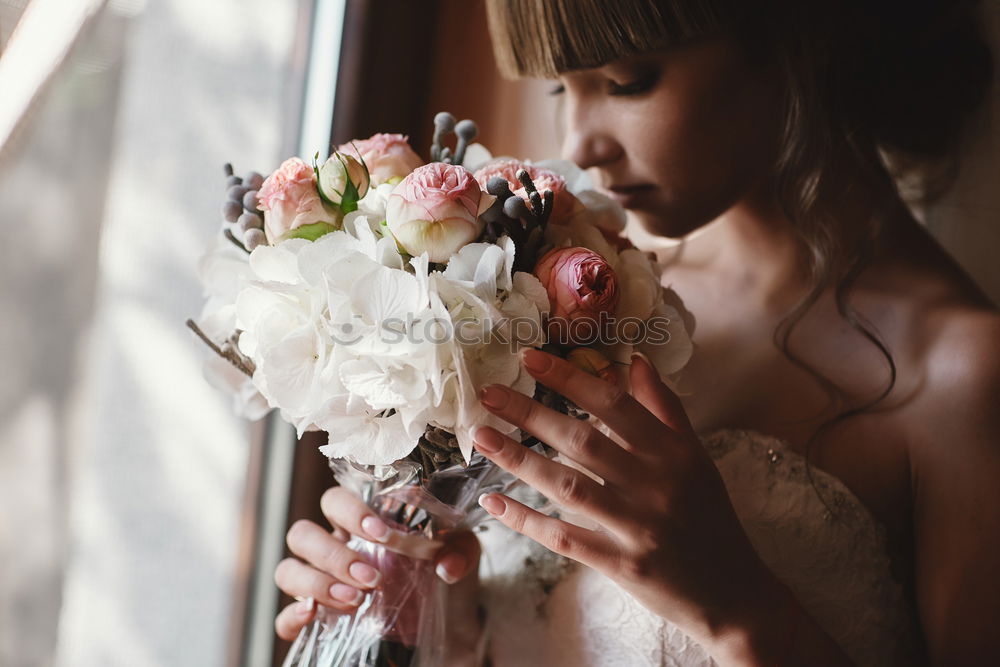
(515, 117)
(430, 57)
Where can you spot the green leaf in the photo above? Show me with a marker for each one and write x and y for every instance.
(311, 232)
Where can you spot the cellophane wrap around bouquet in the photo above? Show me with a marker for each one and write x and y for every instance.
(372, 295)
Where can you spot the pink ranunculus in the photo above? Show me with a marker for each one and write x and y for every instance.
(436, 209)
(581, 285)
(290, 200)
(388, 156)
(564, 204)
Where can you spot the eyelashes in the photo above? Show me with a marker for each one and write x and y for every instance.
(637, 87)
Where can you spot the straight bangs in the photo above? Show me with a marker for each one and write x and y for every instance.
(545, 38)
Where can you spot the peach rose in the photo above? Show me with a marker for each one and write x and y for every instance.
(290, 201)
(581, 285)
(436, 210)
(388, 156)
(564, 204)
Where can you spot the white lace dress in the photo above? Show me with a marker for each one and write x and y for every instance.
(543, 609)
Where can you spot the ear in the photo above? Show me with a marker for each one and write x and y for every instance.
(656, 396)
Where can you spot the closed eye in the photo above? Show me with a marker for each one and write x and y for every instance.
(637, 87)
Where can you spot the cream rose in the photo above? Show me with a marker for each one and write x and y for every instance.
(436, 210)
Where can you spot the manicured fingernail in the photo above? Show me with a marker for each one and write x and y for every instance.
(494, 397)
(376, 528)
(305, 607)
(487, 440)
(492, 503)
(347, 594)
(452, 567)
(636, 354)
(364, 573)
(535, 360)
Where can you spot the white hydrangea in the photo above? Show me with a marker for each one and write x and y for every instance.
(222, 270)
(348, 338)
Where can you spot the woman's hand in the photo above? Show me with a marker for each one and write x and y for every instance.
(668, 532)
(327, 572)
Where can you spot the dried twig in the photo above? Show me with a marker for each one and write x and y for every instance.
(229, 235)
(227, 352)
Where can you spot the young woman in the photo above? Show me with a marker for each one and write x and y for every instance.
(823, 491)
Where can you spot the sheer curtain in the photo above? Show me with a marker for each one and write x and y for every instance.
(59, 73)
(122, 471)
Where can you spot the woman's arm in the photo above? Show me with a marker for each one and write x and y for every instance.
(775, 630)
(955, 462)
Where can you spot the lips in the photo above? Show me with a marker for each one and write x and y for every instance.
(628, 188)
(628, 195)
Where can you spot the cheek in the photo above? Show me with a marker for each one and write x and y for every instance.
(704, 153)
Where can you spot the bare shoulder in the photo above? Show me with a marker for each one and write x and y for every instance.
(948, 334)
(958, 401)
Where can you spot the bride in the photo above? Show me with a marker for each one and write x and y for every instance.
(821, 489)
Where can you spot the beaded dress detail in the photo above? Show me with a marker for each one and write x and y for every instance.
(543, 609)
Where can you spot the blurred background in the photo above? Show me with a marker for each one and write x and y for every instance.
(140, 520)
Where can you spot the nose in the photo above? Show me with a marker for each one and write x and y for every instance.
(589, 141)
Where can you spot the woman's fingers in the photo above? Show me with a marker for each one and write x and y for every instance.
(657, 397)
(610, 403)
(328, 554)
(343, 508)
(303, 581)
(573, 437)
(568, 487)
(458, 558)
(579, 544)
(293, 617)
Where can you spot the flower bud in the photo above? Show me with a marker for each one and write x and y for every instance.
(343, 180)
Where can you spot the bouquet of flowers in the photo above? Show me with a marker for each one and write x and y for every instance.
(372, 295)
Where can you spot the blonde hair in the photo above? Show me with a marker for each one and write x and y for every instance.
(546, 38)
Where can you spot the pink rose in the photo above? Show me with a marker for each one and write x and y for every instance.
(436, 209)
(564, 204)
(388, 156)
(290, 200)
(581, 285)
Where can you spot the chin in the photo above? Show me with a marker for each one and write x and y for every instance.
(668, 224)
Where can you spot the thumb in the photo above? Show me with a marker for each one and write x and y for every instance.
(458, 558)
(656, 396)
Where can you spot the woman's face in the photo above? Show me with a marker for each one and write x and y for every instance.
(678, 136)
